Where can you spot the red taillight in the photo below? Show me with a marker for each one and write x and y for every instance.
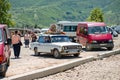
(1, 58)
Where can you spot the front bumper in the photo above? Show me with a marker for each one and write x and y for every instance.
(3, 67)
(70, 52)
(101, 45)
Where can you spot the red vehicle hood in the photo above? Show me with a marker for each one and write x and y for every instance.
(100, 36)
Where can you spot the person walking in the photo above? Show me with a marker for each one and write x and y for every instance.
(16, 44)
(27, 40)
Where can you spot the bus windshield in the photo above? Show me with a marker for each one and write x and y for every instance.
(97, 29)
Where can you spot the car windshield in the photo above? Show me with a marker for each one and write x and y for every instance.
(60, 39)
(0, 35)
(97, 29)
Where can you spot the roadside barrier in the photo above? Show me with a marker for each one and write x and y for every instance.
(107, 54)
(51, 70)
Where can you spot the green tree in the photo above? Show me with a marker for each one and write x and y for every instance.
(5, 16)
(96, 15)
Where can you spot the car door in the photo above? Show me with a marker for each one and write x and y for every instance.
(6, 46)
(47, 44)
(82, 37)
(40, 44)
(43, 45)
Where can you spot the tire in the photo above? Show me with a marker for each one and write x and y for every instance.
(36, 53)
(3, 74)
(76, 55)
(88, 48)
(56, 54)
(8, 62)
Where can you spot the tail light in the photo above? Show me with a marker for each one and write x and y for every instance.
(1, 58)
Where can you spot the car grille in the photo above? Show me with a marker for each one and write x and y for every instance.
(71, 47)
(102, 41)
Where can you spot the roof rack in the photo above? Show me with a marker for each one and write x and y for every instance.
(54, 33)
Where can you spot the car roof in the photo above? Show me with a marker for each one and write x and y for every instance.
(2, 25)
(52, 35)
(91, 24)
(68, 23)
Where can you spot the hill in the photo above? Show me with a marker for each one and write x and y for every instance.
(44, 12)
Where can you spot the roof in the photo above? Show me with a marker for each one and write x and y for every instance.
(90, 24)
(68, 23)
(2, 25)
(52, 35)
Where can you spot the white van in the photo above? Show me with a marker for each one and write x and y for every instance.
(69, 28)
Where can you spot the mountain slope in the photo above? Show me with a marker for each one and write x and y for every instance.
(44, 12)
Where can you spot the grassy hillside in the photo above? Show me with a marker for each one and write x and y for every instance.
(44, 12)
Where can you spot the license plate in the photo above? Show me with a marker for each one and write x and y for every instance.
(102, 44)
(72, 50)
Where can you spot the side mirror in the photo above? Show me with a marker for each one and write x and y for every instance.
(85, 32)
(9, 42)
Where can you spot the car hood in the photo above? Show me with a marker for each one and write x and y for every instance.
(101, 36)
(66, 44)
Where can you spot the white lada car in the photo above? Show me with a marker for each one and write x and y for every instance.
(57, 45)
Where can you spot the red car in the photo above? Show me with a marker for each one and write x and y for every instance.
(94, 35)
(5, 52)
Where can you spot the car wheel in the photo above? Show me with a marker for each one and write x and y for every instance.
(56, 54)
(2, 74)
(8, 62)
(76, 55)
(88, 48)
(36, 52)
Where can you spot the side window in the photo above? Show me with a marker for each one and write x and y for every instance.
(81, 30)
(5, 35)
(47, 39)
(84, 30)
(41, 39)
(0, 35)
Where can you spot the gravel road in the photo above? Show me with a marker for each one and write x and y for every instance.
(106, 69)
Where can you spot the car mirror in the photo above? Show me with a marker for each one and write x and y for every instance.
(8, 42)
(85, 32)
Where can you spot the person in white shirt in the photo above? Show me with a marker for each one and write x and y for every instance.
(27, 39)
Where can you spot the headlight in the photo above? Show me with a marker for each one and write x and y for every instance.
(79, 47)
(110, 41)
(65, 47)
(94, 41)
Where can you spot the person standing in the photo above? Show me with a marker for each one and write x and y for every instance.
(27, 40)
(33, 36)
(16, 46)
